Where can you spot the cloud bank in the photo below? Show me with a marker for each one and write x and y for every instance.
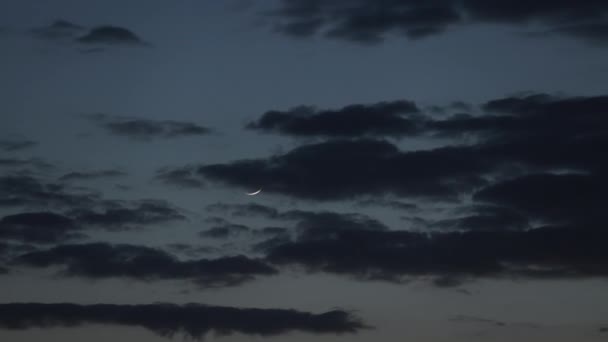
(190, 320)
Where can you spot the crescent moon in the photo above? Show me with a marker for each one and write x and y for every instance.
(254, 193)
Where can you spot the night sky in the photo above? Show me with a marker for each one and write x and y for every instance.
(429, 170)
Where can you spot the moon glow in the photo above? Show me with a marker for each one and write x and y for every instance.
(254, 193)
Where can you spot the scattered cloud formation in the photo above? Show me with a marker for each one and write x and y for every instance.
(102, 174)
(191, 320)
(145, 129)
(16, 145)
(536, 191)
(102, 260)
(39, 227)
(43, 203)
(510, 140)
(370, 21)
(20, 190)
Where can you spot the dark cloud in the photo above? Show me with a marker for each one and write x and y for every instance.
(16, 145)
(396, 118)
(191, 251)
(27, 191)
(272, 237)
(312, 225)
(216, 220)
(102, 174)
(595, 33)
(125, 215)
(111, 35)
(59, 29)
(380, 202)
(305, 220)
(25, 164)
(183, 177)
(487, 218)
(225, 231)
(326, 224)
(461, 106)
(515, 117)
(86, 208)
(122, 187)
(39, 227)
(522, 118)
(301, 28)
(556, 198)
(549, 252)
(12, 249)
(244, 210)
(147, 129)
(341, 169)
(272, 231)
(269, 244)
(479, 320)
(254, 209)
(144, 129)
(510, 139)
(537, 160)
(362, 21)
(9, 250)
(101, 260)
(449, 281)
(191, 320)
(371, 21)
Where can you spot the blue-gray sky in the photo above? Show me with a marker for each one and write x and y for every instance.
(430, 171)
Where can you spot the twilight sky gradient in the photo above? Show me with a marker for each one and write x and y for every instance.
(431, 170)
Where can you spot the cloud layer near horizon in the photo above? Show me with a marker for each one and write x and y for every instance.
(103, 260)
(191, 320)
